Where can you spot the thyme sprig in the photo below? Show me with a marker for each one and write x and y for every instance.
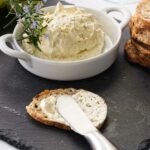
(30, 15)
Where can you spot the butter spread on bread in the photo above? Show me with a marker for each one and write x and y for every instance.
(43, 107)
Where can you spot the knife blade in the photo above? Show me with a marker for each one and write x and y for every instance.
(79, 122)
(73, 114)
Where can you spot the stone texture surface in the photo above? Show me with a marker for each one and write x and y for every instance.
(124, 86)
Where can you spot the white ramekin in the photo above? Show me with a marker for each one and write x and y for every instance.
(71, 70)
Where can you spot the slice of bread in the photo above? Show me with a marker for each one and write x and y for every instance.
(142, 36)
(144, 54)
(137, 49)
(143, 12)
(138, 32)
(135, 55)
(93, 105)
(136, 20)
(140, 45)
(131, 52)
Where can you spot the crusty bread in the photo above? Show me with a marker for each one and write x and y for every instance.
(93, 106)
(138, 32)
(142, 36)
(139, 22)
(143, 48)
(144, 54)
(137, 49)
(135, 55)
(143, 12)
(131, 52)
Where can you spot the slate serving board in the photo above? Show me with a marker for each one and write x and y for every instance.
(124, 86)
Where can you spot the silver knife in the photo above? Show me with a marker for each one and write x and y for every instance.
(79, 122)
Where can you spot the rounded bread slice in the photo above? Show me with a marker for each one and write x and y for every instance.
(138, 22)
(135, 55)
(143, 12)
(143, 50)
(142, 34)
(92, 105)
(144, 54)
(131, 52)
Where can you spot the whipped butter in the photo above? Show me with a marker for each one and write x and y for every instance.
(71, 34)
(48, 107)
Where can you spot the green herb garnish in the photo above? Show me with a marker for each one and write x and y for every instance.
(29, 14)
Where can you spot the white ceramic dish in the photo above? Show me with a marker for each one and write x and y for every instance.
(71, 70)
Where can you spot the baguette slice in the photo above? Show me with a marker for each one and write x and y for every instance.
(138, 22)
(93, 106)
(144, 54)
(143, 12)
(131, 52)
(141, 34)
(135, 55)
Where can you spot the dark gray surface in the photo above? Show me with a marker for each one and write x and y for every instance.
(124, 86)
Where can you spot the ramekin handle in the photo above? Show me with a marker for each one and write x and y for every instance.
(8, 38)
(125, 13)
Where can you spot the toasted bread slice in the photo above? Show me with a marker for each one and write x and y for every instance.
(139, 33)
(135, 55)
(144, 54)
(93, 106)
(137, 49)
(140, 45)
(143, 12)
(138, 22)
(141, 36)
(131, 52)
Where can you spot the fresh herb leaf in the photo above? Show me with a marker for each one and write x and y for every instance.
(30, 15)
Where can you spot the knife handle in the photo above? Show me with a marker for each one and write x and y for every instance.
(98, 141)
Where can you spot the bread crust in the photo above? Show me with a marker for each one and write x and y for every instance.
(135, 55)
(137, 49)
(138, 32)
(37, 116)
(35, 112)
(140, 44)
(138, 22)
(131, 52)
(144, 55)
(140, 10)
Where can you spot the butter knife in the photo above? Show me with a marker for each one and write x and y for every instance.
(79, 122)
